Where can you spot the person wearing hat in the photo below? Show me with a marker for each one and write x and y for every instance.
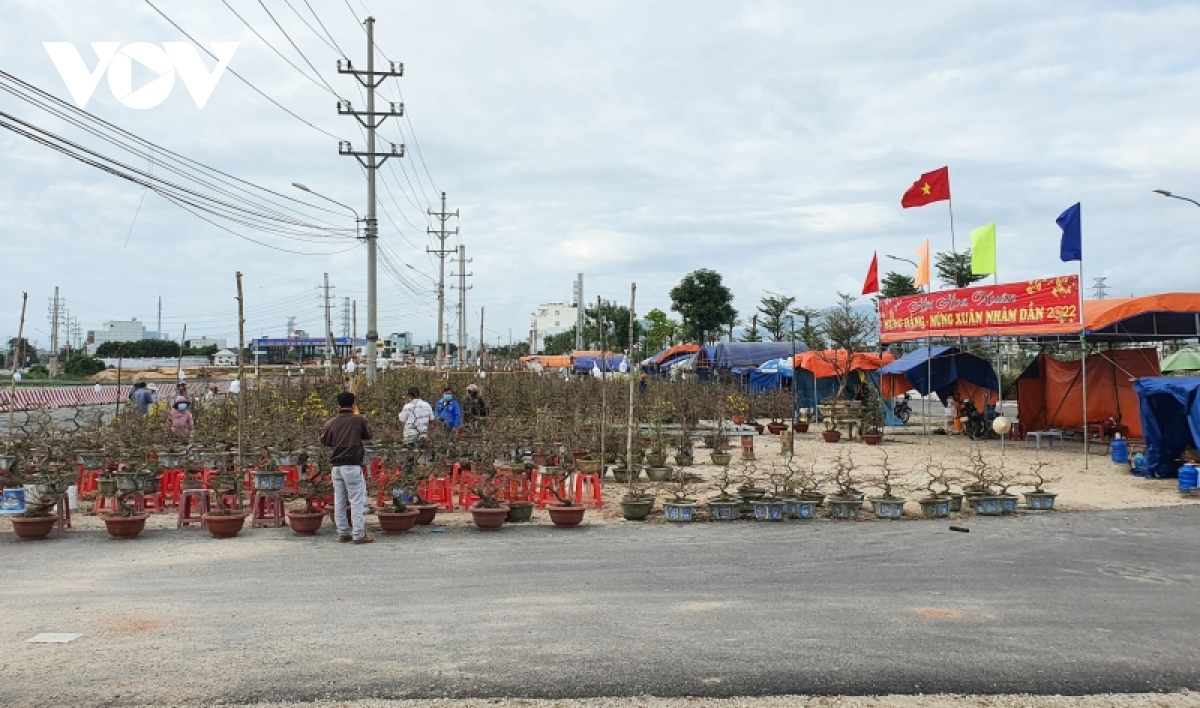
(179, 419)
(474, 407)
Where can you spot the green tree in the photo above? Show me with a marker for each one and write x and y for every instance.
(561, 343)
(704, 303)
(898, 285)
(750, 334)
(661, 331)
(774, 310)
(809, 333)
(845, 328)
(80, 366)
(22, 348)
(954, 269)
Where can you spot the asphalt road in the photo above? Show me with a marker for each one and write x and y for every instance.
(1063, 603)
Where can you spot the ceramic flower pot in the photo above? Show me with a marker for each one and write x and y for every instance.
(125, 527)
(935, 507)
(803, 509)
(721, 458)
(887, 507)
(519, 512)
(397, 522)
(224, 525)
(426, 513)
(831, 436)
(679, 510)
(566, 516)
(872, 438)
(770, 510)
(304, 523)
(729, 509)
(658, 474)
(488, 519)
(1040, 501)
(636, 508)
(33, 528)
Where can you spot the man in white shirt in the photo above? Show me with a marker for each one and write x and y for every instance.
(415, 417)
(351, 381)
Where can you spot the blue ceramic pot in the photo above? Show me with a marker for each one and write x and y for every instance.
(1040, 501)
(770, 510)
(805, 509)
(679, 511)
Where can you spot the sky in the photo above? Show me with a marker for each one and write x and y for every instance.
(632, 141)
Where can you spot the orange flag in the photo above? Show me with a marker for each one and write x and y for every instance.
(922, 265)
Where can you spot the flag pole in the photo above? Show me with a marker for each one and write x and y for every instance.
(1083, 366)
(950, 204)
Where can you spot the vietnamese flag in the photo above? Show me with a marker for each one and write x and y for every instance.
(932, 187)
(871, 284)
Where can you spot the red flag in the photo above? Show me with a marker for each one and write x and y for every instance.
(871, 284)
(932, 187)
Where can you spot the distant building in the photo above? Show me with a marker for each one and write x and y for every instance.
(400, 342)
(551, 318)
(132, 330)
(202, 342)
(225, 358)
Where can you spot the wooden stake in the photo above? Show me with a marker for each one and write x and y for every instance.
(18, 346)
(241, 407)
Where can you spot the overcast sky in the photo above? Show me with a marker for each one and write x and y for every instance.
(630, 141)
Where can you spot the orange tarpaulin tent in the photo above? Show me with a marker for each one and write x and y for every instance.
(548, 361)
(827, 364)
(1050, 392)
(675, 351)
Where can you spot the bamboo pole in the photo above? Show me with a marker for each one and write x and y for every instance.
(241, 406)
(629, 418)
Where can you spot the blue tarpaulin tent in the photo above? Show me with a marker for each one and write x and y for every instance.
(1170, 408)
(583, 363)
(771, 375)
(939, 370)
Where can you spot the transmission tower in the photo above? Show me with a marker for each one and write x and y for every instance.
(1099, 290)
(441, 252)
(461, 308)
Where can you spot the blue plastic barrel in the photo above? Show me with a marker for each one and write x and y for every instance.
(12, 501)
(1119, 451)
(1188, 478)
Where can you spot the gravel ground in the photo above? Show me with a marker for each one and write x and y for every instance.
(1115, 700)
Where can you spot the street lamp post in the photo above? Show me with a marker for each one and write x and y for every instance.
(897, 258)
(357, 219)
(1166, 193)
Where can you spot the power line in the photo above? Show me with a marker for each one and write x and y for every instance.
(325, 87)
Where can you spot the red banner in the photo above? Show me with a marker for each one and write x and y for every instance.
(989, 307)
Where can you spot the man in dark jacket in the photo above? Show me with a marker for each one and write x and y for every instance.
(474, 407)
(345, 434)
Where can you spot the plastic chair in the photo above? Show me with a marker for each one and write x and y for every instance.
(437, 490)
(546, 486)
(588, 485)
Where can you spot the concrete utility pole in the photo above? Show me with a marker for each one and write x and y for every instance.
(479, 354)
(442, 233)
(55, 309)
(18, 359)
(159, 325)
(579, 311)
(371, 161)
(328, 329)
(462, 301)
(345, 318)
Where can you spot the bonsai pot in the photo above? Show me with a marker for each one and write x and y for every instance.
(872, 438)
(749, 496)
(720, 458)
(684, 460)
(769, 510)
(425, 513)
(488, 519)
(125, 527)
(658, 474)
(540, 458)
(519, 512)
(623, 475)
(269, 481)
(935, 507)
(656, 459)
(805, 509)
(1008, 503)
(305, 523)
(956, 501)
(395, 522)
(1040, 501)
(759, 428)
(679, 510)
(845, 508)
(565, 515)
(887, 507)
(589, 465)
(729, 509)
(777, 428)
(816, 498)
(33, 528)
(610, 458)
(739, 419)
(800, 427)
(224, 525)
(831, 436)
(636, 508)
(986, 506)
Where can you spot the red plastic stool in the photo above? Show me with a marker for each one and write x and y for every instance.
(169, 485)
(291, 480)
(1017, 432)
(547, 485)
(437, 490)
(89, 482)
(466, 497)
(588, 485)
(155, 502)
(62, 508)
(747, 443)
(197, 500)
(267, 510)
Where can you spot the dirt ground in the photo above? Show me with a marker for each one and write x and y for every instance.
(1100, 486)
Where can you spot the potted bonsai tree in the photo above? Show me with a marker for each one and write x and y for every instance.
(936, 502)
(725, 506)
(872, 417)
(227, 517)
(980, 491)
(1039, 499)
(887, 505)
(126, 522)
(314, 487)
(748, 490)
(772, 507)
(681, 506)
(803, 499)
(637, 502)
(847, 501)
(38, 518)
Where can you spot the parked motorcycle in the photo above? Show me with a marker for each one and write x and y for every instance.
(902, 409)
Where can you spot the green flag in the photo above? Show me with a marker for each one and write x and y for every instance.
(983, 250)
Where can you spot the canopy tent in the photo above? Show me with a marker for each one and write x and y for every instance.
(583, 362)
(704, 361)
(1182, 360)
(728, 355)
(678, 351)
(770, 375)
(816, 373)
(946, 371)
(1050, 392)
(1170, 414)
(547, 361)
(1153, 318)
(649, 363)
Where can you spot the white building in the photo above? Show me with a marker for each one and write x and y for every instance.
(117, 331)
(225, 358)
(202, 342)
(551, 318)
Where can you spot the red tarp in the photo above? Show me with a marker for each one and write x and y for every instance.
(829, 363)
(1050, 393)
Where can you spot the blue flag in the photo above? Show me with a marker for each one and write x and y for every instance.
(1072, 236)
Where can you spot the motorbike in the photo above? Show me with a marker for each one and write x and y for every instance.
(902, 409)
(975, 423)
